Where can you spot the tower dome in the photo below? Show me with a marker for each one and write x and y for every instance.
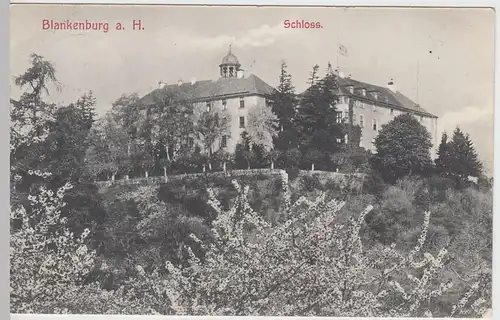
(229, 66)
(230, 59)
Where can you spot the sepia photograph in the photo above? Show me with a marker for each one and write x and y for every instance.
(251, 161)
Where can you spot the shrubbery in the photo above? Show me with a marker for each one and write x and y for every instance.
(314, 262)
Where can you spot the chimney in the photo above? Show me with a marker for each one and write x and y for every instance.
(240, 73)
(193, 81)
(179, 82)
(349, 76)
(341, 74)
(161, 84)
(391, 85)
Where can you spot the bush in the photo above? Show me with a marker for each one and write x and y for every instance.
(313, 263)
(311, 183)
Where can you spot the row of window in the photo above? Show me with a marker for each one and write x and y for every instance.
(209, 104)
(343, 117)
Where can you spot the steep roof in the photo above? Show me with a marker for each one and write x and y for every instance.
(384, 95)
(211, 90)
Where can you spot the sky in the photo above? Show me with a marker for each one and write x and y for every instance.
(441, 58)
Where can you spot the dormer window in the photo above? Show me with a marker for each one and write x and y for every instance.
(375, 95)
(363, 92)
(351, 89)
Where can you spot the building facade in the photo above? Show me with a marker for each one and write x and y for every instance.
(374, 106)
(233, 93)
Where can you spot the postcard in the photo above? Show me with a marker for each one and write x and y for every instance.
(251, 161)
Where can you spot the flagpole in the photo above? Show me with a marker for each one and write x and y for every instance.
(418, 73)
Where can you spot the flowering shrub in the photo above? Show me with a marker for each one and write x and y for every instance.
(47, 263)
(308, 265)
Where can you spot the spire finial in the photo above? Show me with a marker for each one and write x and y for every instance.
(230, 48)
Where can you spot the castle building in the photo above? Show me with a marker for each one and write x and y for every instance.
(233, 93)
(374, 106)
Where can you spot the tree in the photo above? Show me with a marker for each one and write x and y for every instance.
(210, 127)
(443, 160)
(403, 148)
(48, 264)
(125, 112)
(262, 126)
(30, 115)
(107, 150)
(313, 76)
(464, 160)
(317, 120)
(243, 153)
(67, 142)
(284, 105)
(250, 263)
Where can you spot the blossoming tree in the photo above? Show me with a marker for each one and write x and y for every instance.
(48, 264)
(307, 265)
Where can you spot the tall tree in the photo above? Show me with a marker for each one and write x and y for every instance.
(284, 106)
(403, 148)
(443, 160)
(317, 126)
(31, 115)
(464, 160)
(211, 125)
(31, 112)
(262, 126)
(173, 124)
(67, 142)
(313, 75)
(107, 150)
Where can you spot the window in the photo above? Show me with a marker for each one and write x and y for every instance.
(242, 122)
(421, 118)
(223, 142)
(346, 139)
(269, 103)
(338, 118)
(361, 121)
(242, 103)
(209, 106)
(190, 142)
(224, 104)
(354, 118)
(373, 145)
(374, 124)
(339, 140)
(361, 141)
(392, 111)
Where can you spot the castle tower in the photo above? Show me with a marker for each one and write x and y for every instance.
(229, 66)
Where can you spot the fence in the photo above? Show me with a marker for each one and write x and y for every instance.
(163, 179)
(322, 175)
